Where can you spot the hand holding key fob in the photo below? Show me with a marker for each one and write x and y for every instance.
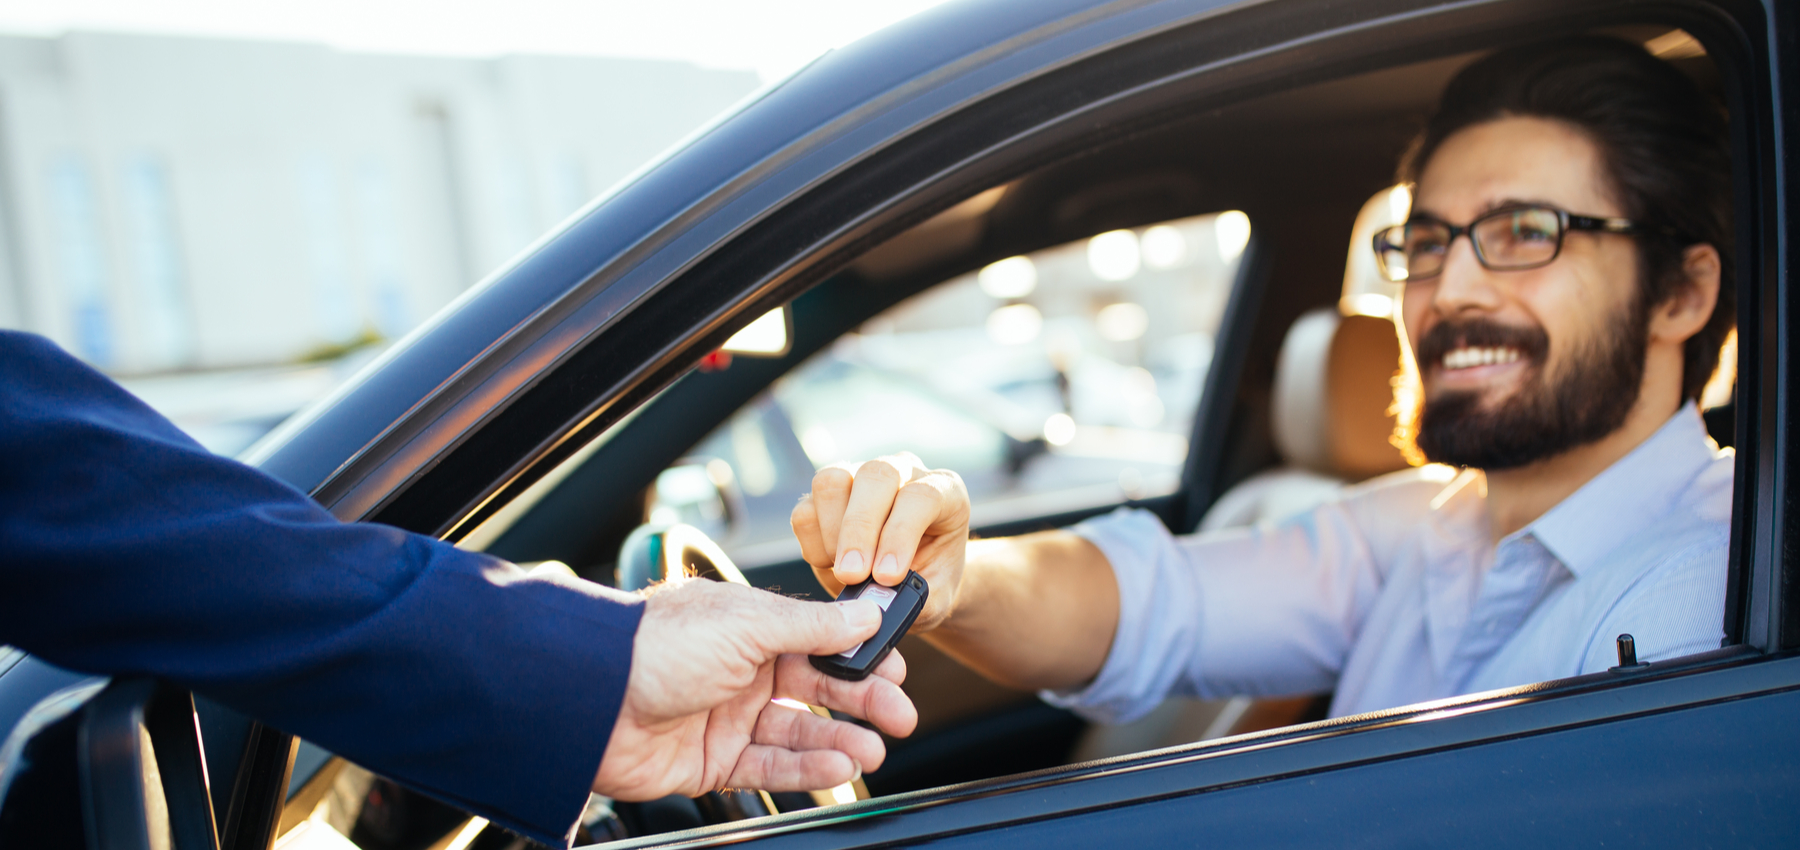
(900, 606)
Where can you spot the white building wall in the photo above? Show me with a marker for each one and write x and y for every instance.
(170, 203)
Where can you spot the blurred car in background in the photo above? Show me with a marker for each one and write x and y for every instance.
(1039, 378)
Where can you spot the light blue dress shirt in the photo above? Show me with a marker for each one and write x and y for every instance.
(1395, 594)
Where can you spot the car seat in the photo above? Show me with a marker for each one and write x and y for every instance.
(1330, 418)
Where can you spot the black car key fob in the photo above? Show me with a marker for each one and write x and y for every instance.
(900, 606)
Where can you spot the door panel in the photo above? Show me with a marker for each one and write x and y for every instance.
(1726, 774)
(1680, 736)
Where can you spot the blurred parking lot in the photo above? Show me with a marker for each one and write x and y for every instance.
(231, 207)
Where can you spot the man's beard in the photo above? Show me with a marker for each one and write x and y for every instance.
(1588, 401)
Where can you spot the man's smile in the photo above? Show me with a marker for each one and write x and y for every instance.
(1469, 367)
(1468, 357)
(1480, 356)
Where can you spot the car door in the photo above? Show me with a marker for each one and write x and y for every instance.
(605, 320)
(1074, 798)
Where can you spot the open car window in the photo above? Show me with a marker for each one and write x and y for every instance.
(1059, 380)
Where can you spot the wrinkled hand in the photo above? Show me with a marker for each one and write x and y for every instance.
(697, 716)
(884, 517)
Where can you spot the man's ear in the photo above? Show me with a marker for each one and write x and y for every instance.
(1690, 306)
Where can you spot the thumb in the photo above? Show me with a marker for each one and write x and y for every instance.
(816, 628)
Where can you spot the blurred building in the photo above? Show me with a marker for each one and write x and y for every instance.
(172, 203)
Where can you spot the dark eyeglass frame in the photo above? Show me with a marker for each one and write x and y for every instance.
(1393, 238)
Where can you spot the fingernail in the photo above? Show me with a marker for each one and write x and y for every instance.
(889, 567)
(858, 770)
(860, 613)
(849, 567)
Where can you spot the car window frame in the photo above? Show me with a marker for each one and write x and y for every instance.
(1751, 529)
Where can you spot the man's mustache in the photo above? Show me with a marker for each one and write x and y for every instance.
(1532, 343)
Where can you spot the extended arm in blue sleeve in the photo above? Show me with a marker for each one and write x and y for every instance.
(129, 549)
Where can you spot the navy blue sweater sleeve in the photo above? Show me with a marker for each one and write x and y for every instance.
(126, 548)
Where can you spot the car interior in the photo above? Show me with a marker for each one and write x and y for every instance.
(1215, 264)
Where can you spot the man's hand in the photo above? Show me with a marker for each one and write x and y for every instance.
(884, 517)
(1030, 612)
(707, 661)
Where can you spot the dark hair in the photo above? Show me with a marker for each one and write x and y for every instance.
(1664, 143)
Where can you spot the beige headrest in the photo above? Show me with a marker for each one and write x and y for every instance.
(1332, 394)
(1366, 290)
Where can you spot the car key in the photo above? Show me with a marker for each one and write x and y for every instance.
(900, 606)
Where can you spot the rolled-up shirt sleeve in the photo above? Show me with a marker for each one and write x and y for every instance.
(1271, 610)
(1159, 619)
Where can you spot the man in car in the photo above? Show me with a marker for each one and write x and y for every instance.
(1567, 293)
(127, 549)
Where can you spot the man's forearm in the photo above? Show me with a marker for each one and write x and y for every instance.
(1036, 611)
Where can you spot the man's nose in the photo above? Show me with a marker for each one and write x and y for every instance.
(1464, 285)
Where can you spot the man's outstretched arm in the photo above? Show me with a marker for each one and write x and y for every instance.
(131, 550)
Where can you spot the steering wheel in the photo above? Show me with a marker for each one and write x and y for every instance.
(659, 551)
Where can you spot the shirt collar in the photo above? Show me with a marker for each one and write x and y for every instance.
(1627, 497)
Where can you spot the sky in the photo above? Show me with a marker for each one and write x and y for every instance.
(771, 37)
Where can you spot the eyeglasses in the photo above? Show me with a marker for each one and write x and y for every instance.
(1507, 239)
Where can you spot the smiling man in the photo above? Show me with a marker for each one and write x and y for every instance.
(1567, 294)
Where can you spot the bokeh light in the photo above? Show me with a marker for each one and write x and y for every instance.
(1163, 247)
(1014, 324)
(1233, 231)
(1013, 277)
(1122, 322)
(1113, 255)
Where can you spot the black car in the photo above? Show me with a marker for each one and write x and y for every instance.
(534, 417)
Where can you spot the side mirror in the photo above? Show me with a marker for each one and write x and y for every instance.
(40, 780)
(143, 773)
